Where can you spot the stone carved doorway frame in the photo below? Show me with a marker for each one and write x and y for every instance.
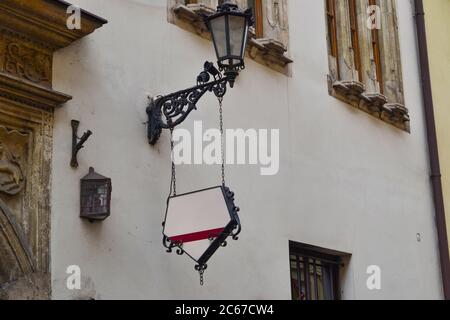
(25, 216)
(30, 32)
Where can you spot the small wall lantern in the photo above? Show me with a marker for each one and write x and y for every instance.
(95, 196)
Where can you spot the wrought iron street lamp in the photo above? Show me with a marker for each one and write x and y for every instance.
(198, 223)
(229, 29)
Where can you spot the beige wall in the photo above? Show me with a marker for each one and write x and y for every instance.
(437, 17)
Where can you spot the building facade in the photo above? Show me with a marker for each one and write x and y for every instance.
(349, 213)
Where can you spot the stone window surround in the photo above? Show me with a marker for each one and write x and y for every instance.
(266, 51)
(365, 95)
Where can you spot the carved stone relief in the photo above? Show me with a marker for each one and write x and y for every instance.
(25, 60)
(25, 164)
(12, 178)
(276, 24)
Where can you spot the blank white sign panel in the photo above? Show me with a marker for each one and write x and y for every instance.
(194, 218)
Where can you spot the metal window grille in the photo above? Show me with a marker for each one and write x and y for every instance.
(314, 276)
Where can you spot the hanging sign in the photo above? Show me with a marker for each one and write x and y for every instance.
(198, 223)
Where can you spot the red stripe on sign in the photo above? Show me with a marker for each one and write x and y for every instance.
(197, 236)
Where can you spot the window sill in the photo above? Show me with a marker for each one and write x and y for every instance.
(268, 52)
(354, 93)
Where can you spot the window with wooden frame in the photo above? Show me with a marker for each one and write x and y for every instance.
(376, 49)
(257, 7)
(364, 60)
(353, 15)
(269, 39)
(331, 24)
(315, 272)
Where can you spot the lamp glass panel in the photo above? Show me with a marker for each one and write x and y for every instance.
(95, 197)
(237, 34)
(218, 29)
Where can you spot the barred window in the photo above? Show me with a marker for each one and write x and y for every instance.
(315, 272)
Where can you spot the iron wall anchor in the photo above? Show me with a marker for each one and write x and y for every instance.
(77, 143)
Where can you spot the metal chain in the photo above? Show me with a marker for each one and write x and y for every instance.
(174, 173)
(173, 184)
(201, 272)
(222, 150)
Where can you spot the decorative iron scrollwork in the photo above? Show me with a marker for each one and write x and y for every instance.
(167, 112)
(170, 246)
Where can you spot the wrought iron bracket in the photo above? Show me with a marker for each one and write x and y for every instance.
(167, 112)
(77, 143)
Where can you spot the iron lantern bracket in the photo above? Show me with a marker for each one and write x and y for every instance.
(77, 143)
(167, 112)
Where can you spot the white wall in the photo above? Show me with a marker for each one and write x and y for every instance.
(347, 181)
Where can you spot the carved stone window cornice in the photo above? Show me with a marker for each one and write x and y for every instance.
(30, 32)
(44, 21)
